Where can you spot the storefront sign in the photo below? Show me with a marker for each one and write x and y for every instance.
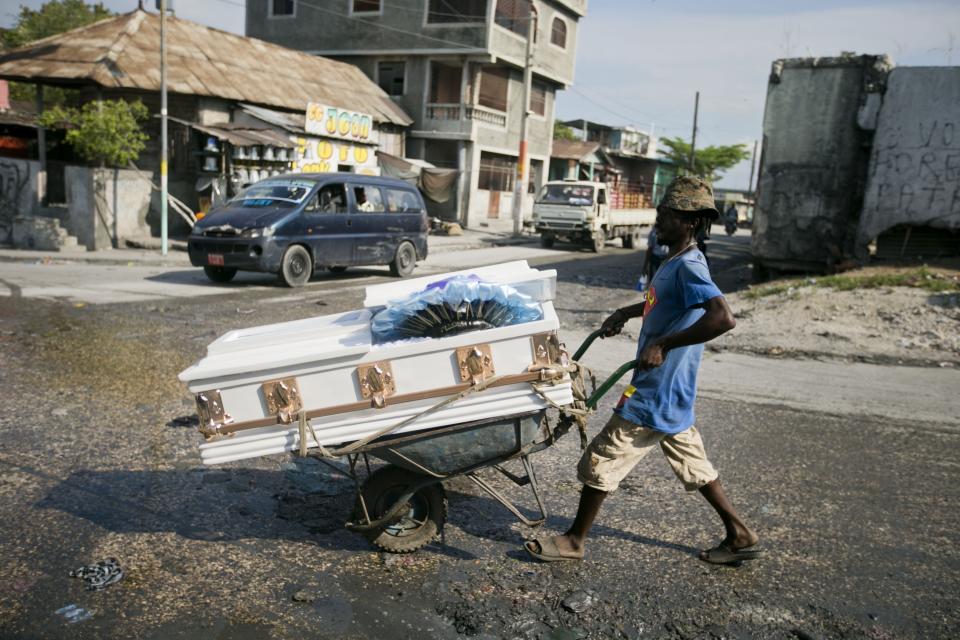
(342, 124)
(322, 156)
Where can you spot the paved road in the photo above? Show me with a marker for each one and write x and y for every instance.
(82, 282)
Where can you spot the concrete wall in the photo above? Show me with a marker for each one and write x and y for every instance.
(107, 206)
(18, 192)
(323, 32)
(914, 175)
(814, 160)
(549, 60)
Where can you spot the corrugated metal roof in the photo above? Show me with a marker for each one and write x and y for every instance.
(292, 122)
(573, 149)
(124, 53)
(240, 135)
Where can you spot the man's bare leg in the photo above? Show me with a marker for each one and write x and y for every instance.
(739, 535)
(575, 537)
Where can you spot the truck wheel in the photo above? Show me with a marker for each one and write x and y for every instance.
(597, 242)
(632, 239)
(546, 240)
(404, 261)
(220, 274)
(296, 266)
(418, 524)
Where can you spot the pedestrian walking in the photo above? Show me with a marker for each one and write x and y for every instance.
(681, 310)
(654, 256)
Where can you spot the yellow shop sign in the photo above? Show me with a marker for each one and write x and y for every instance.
(332, 122)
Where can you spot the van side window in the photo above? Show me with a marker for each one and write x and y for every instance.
(401, 201)
(332, 198)
(369, 199)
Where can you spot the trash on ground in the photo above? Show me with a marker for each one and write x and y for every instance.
(73, 614)
(579, 601)
(100, 575)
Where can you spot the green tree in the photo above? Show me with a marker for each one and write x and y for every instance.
(102, 132)
(563, 132)
(53, 17)
(708, 162)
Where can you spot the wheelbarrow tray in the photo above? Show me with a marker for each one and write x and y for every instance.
(460, 448)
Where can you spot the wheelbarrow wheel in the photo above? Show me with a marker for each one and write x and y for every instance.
(420, 521)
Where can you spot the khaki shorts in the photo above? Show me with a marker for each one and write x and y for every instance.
(622, 444)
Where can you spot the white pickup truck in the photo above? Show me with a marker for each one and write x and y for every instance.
(580, 212)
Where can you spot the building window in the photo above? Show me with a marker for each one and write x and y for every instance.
(494, 82)
(538, 98)
(443, 11)
(513, 15)
(282, 8)
(444, 84)
(364, 6)
(390, 76)
(558, 34)
(496, 172)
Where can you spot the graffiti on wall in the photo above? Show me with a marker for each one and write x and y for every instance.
(916, 169)
(14, 178)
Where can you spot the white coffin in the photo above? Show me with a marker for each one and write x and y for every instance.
(323, 354)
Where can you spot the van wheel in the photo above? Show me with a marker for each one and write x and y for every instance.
(632, 240)
(404, 261)
(296, 266)
(220, 274)
(546, 240)
(337, 269)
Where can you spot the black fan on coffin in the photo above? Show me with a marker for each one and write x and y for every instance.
(444, 319)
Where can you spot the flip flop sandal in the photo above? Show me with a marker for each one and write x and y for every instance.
(723, 554)
(549, 552)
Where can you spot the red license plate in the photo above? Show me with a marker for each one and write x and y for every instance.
(215, 259)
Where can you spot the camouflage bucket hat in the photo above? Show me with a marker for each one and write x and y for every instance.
(690, 194)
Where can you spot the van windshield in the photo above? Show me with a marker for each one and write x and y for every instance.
(268, 193)
(569, 194)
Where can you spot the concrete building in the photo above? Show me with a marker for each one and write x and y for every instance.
(456, 66)
(638, 175)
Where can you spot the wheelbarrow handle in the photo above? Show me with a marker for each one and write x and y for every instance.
(586, 344)
(609, 382)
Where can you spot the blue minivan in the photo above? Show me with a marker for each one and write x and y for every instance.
(294, 224)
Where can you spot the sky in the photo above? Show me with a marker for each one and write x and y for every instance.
(640, 62)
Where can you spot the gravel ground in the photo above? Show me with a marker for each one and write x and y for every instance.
(98, 459)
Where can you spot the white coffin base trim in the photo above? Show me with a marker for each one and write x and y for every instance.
(491, 403)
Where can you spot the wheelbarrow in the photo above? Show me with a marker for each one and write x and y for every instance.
(402, 506)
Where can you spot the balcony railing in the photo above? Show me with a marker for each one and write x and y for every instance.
(482, 114)
(444, 112)
(469, 112)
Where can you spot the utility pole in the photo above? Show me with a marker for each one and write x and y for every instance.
(163, 127)
(523, 163)
(753, 166)
(693, 138)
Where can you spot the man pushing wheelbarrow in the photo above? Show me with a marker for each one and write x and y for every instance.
(682, 309)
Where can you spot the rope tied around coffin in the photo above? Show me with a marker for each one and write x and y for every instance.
(577, 412)
(353, 446)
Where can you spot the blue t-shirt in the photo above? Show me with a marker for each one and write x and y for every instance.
(662, 398)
